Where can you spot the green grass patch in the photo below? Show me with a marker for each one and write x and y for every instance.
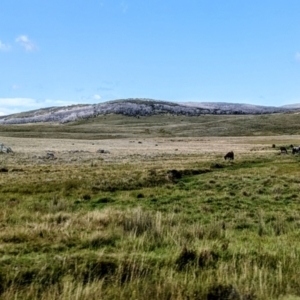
(121, 231)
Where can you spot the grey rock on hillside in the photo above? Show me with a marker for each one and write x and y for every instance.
(239, 108)
(134, 107)
(129, 107)
(5, 149)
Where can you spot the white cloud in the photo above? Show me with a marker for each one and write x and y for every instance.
(26, 43)
(16, 105)
(17, 102)
(297, 56)
(97, 97)
(4, 47)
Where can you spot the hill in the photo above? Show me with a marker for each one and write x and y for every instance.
(136, 107)
(114, 126)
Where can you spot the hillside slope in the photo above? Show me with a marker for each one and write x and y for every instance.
(114, 126)
(135, 107)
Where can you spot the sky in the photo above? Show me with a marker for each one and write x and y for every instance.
(61, 52)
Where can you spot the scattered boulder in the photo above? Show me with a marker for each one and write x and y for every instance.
(102, 151)
(5, 149)
(50, 155)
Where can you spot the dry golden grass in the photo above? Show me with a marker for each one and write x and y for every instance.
(131, 150)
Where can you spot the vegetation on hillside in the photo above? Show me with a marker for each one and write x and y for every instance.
(117, 126)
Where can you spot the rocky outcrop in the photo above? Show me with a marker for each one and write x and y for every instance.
(238, 108)
(129, 107)
(102, 151)
(5, 149)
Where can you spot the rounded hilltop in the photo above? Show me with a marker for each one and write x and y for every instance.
(135, 107)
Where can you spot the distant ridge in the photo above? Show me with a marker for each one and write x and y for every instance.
(137, 107)
(292, 106)
(239, 107)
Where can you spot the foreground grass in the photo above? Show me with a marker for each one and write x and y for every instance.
(127, 231)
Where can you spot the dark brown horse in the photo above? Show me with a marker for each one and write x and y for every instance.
(283, 150)
(229, 155)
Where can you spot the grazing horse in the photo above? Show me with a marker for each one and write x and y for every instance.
(283, 150)
(296, 149)
(229, 155)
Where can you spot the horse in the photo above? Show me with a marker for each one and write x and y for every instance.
(229, 155)
(295, 149)
(283, 150)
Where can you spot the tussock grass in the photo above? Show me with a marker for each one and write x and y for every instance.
(125, 230)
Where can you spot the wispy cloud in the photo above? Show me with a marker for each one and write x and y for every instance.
(297, 56)
(26, 43)
(16, 105)
(15, 87)
(96, 97)
(17, 102)
(90, 98)
(124, 6)
(4, 47)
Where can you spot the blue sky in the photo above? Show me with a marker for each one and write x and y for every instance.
(59, 52)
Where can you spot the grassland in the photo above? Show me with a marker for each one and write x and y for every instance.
(118, 126)
(113, 225)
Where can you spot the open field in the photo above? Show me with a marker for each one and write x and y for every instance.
(114, 225)
(72, 150)
(118, 126)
